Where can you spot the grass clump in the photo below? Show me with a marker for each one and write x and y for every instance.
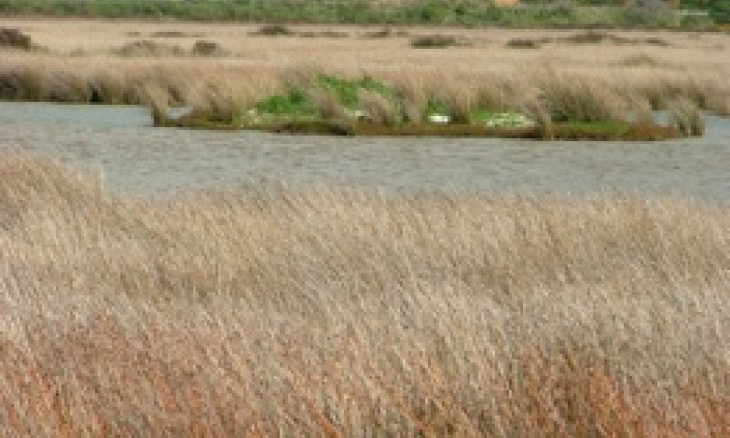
(379, 108)
(686, 116)
(580, 101)
(14, 39)
(207, 48)
(142, 48)
(273, 30)
(437, 41)
(522, 43)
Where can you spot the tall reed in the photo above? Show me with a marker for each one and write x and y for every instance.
(228, 89)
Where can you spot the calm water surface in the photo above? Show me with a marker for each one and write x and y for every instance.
(121, 144)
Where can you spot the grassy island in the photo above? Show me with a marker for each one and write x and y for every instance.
(324, 104)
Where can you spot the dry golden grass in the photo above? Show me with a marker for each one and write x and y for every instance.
(324, 311)
(78, 65)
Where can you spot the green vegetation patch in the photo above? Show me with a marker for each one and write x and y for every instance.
(606, 127)
(348, 90)
(294, 103)
(581, 13)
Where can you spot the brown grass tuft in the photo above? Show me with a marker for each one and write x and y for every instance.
(570, 98)
(686, 116)
(380, 109)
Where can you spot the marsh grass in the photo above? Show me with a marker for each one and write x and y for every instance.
(328, 104)
(229, 92)
(573, 99)
(207, 48)
(329, 311)
(485, 75)
(686, 116)
(536, 110)
(379, 108)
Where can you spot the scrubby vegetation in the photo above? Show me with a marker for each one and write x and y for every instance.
(151, 48)
(598, 13)
(589, 37)
(438, 41)
(326, 311)
(14, 39)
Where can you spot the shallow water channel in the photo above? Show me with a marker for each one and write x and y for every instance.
(121, 144)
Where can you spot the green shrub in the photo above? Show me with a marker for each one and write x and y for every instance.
(296, 102)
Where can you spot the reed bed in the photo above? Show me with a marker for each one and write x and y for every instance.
(225, 91)
(326, 311)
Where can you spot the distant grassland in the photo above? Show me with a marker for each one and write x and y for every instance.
(440, 12)
(324, 311)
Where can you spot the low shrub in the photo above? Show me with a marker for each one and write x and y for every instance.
(379, 109)
(14, 38)
(597, 37)
(522, 43)
(436, 41)
(148, 48)
(568, 99)
(273, 30)
(686, 116)
(208, 48)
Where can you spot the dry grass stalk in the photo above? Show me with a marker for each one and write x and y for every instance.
(380, 109)
(686, 116)
(639, 109)
(457, 94)
(328, 311)
(328, 105)
(412, 94)
(536, 110)
(571, 98)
